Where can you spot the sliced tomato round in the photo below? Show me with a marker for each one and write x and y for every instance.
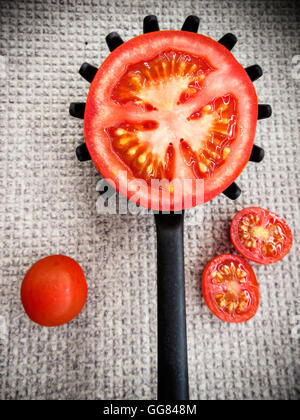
(170, 118)
(230, 288)
(260, 235)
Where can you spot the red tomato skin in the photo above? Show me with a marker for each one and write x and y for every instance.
(247, 253)
(54, 290)
(208, 298)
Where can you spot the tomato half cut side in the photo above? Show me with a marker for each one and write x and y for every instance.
(170, 106)
(260, 235)
(230, 288)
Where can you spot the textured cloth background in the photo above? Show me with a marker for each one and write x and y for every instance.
(48, 205)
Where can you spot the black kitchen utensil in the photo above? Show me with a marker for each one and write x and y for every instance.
(172, 341)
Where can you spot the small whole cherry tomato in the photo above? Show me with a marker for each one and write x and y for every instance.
(230, 288)
(54, 290)
(260, 235)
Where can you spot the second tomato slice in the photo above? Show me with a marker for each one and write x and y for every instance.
(260, 235)
(230, 288)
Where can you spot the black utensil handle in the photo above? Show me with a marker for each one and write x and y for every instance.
(172, 344)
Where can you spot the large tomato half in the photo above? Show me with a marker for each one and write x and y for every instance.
(170, 106)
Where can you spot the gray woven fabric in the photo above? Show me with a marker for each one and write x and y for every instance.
(48, 205)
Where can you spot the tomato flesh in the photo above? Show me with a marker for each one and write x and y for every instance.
(260, 235)
(171, 106)
(222, 114)
(163, 82)
(230, 288)
(54, 290)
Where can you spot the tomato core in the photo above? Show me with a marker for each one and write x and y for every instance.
(230, 277)
(161, 86)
